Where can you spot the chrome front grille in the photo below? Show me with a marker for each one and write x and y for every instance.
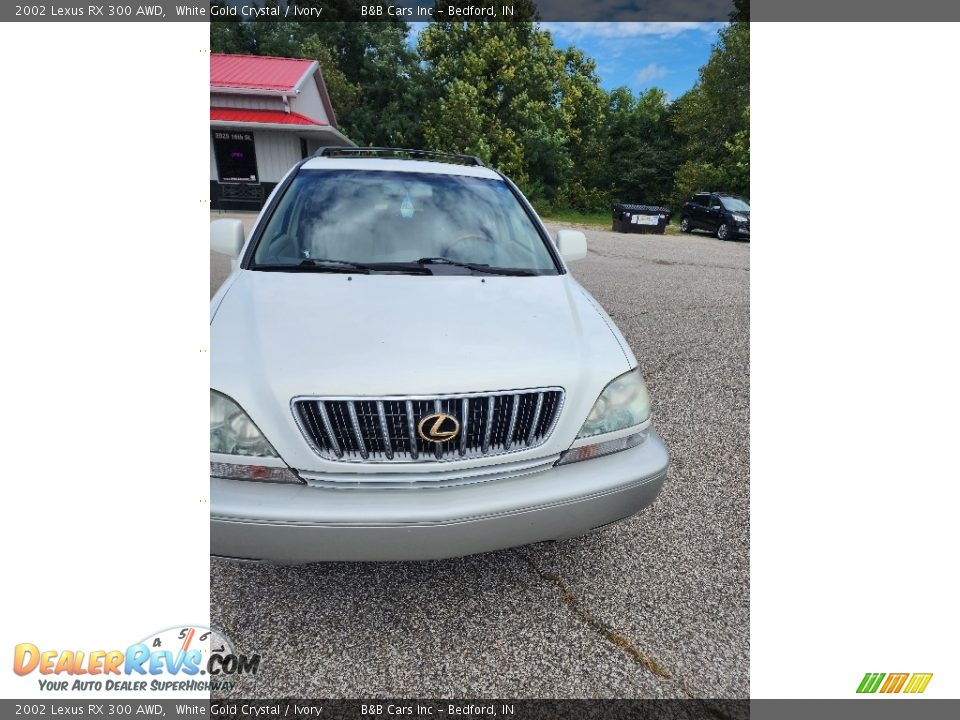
(387, 429)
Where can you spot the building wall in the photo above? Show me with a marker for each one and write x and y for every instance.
(308, 102)
(277, 152)
(248, 102)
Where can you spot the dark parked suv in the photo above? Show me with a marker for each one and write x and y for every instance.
(726, 215)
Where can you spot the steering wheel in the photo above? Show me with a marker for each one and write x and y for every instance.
(469, 236)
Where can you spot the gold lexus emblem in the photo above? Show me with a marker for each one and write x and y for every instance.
(438, 428)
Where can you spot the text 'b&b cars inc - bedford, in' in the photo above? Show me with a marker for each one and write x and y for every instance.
(402, 367)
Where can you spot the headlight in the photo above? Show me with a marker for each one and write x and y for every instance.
(233, 432)
(740, 218)
(622, 404)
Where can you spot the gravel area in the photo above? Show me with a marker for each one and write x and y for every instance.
(657, 606)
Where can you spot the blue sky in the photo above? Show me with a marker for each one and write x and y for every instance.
(642, 55)
(638, 55)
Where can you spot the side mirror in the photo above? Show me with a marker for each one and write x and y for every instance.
(572, 245)
(226, 236)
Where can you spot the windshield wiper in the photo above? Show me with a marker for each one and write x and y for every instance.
(322, 265)
(418, 267)
(477, 267)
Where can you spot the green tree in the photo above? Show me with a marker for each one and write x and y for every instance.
(584, 105)
(503, 92)
(641, 147)
(713, 120)
(738, 147)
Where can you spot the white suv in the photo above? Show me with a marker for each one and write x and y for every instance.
(403, 368)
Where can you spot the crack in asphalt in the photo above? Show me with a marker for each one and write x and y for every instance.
(615, 638)
(621, 641)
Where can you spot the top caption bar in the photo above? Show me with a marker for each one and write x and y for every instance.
(372, 11)
(658, 11)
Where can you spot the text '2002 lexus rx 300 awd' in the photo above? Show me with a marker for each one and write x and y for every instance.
(402, 367)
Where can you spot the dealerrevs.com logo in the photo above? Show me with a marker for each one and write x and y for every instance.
(182, 659)
(894, 683)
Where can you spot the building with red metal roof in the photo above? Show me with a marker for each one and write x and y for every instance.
(266, 114)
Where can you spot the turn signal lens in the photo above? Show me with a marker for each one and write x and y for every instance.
(587, 452)
(257, 473)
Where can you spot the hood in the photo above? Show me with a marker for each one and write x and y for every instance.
(278, 335)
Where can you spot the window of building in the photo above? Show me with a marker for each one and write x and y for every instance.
(236, 156)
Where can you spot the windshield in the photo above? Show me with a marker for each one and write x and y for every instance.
(735, 204)
(364, 218)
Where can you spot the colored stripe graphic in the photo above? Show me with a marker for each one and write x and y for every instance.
(894, 682)
(918, 682)
(870, 682)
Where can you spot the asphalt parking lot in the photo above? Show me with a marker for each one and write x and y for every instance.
(657, 606)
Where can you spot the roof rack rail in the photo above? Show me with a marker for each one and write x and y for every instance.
(401, 153)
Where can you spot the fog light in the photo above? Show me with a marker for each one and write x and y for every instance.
(586, 452)
(256, 473)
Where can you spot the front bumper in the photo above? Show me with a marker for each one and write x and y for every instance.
(313, 523)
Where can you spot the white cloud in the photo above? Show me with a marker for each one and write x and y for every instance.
(650, 73)
(663, 30)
